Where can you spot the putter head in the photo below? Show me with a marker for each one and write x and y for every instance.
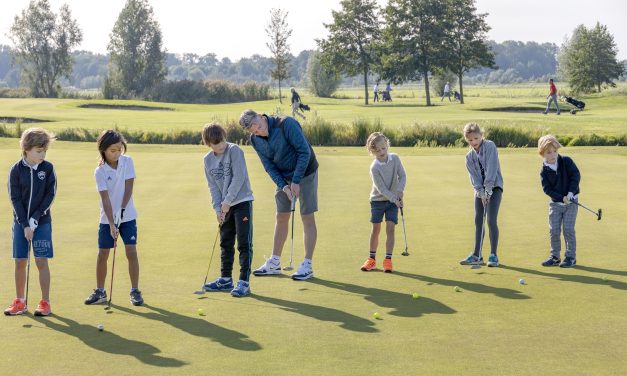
(288, 268)
(200, 292)
(599, 214)
(475, 267)
(405, 253)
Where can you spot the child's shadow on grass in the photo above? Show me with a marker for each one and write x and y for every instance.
(346, 320)
(197, 327)
(469, 286)
(402, 303)
(576, 277)
(110, 342)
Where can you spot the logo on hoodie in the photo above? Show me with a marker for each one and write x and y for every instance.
(41, 175)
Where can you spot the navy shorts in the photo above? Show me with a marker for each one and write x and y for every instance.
(379, 208)
(128, 233)
(42, 242)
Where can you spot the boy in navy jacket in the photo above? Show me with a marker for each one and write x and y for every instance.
(32, 188)
(560, 181)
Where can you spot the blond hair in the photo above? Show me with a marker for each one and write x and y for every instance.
(472, 128)
(371, 142)
(35, 138)
(545, 141)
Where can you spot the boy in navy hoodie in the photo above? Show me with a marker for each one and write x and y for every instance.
(32, 187)
(560, 181)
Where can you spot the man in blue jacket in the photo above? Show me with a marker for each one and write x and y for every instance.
(291, 163)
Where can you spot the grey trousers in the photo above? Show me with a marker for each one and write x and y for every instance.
(552, 98)
(563, 216)
(493, 212)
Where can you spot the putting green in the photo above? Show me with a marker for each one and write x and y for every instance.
(562, 322)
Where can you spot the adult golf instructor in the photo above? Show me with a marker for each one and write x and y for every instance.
(291, 163)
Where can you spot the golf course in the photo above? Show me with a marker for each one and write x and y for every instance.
(431, 316)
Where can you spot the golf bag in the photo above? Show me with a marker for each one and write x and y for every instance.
(386, 96)
(304, 107)
(579, 105)
(457, 96)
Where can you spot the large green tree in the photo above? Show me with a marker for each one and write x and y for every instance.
(279, 31)
(136, 57)
(466, 40)
(42, 42)
(588, 60)
(415, 40)
(322, 81)
(353, 44)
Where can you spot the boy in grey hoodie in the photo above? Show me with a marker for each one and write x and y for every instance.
(482, 162)
(231, 197)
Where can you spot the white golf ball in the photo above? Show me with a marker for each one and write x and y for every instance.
(100, 327)
(522, 281)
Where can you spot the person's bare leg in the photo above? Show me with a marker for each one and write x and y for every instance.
(281, 229)
(44, 277)
(310, 234)
(101, 267)
(133, 265)
(389, 241)
(374, 237)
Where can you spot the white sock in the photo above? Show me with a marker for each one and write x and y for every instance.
(307, 261)
(275, 259)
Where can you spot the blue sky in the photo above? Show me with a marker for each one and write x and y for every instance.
(236, 28)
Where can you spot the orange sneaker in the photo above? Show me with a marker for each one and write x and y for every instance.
(387, 265)
(369, 265)
(43, 308)
(16, 308)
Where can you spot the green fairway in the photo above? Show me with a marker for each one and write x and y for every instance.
(491, 106)
(562, 322)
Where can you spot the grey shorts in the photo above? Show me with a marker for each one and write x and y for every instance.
(308, 196)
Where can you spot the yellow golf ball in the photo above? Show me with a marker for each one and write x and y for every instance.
(376, 315)
(201, 312)
(415, 295)
(457, 289)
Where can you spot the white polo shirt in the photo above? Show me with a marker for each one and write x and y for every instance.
(113, 181)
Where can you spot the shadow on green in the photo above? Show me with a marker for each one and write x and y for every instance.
(468, 286)
(197, 327)
(577, 277)
(109, 342)
(346, 320)
(401, 303)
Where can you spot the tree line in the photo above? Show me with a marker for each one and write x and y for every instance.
(405, 41)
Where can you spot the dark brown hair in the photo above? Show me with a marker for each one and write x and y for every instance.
(106, 139)
(213, 134)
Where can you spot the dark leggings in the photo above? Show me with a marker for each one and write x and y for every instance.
(493, 212)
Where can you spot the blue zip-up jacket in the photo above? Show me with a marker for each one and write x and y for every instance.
(557, 184)
(34, 188)
(285, 153)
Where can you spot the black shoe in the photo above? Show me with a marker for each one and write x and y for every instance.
(96, 297)
(136, 298)
(552, 261)
(569, 262)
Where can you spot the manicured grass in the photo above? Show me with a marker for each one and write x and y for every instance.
(562, 322)
(605, 114)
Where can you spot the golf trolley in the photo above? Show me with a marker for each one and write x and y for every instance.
(577, 104)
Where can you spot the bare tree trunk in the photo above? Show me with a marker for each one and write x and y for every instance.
(280, 98)
(461, 89)
(426, 77)
(366, 85)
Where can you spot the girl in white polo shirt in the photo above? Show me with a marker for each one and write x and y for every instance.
(115, 175)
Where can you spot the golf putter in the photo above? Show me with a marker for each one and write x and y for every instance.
(115, 247)
(598, 214)
(290, 267)
(404, 233)
(202, 288)
(485, 215)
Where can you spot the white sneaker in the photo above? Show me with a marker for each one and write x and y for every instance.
(268, 268)
(304, 271)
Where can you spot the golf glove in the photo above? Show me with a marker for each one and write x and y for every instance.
(488, 193)
(570, 196)
(119, 216)
(32, 223)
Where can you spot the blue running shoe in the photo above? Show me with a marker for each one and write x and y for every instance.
(569, 262)
(220, 284)
(242, 289)
(472, 260)
(493, 260)
(552, 261)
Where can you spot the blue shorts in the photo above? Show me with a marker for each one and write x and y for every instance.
(128, 233)
(42, 242)
(378, 208)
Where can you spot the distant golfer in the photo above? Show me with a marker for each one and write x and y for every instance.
(447, 92)
(552, 97)
(296, 104)
(376, 93)
(291, 163)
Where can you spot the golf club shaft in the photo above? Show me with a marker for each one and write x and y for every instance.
(485, 215)
(115, 247)
(30, 245)
(588, 209)
(292, 241)
(211, 257)
(404, 231)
